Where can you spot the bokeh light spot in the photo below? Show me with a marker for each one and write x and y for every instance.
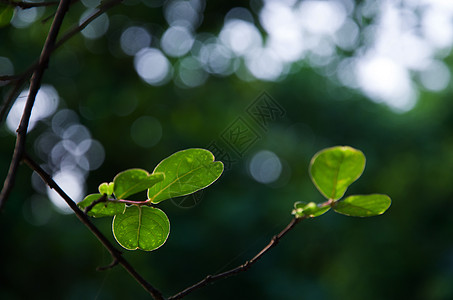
(46, 102)
(184, 13)
(384, 80)
(191, 73)
(177, 41)
(152, 66)
(265, 167)
(264, 64)
(240, 36)
(70, 181)
(146, 131)
(133, 39)
(436, 76)
(25, 17)
(97, 28)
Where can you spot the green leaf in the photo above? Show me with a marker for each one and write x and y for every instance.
(186, 172)
(6, 14)
(133, 181)
(102, 209)
(106, 188)
(310, 209)
(141, 227)
(363, 205)
(332, 170)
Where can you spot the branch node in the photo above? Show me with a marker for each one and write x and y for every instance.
(111, 265)
(275, 239)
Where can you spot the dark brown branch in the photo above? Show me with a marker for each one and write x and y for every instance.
(242, 268)
(116, 254)
(76, 29)
(34, 87)
(25, 5)
(15, 90)
(10, 77)
(111, 265)
(69, 34)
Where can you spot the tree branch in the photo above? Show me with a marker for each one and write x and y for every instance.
(34, 87)
(11, 96)
(76, 29)
(25, 5)
(9, 77)
(111, 265)
(242, 268)
(116, 254)
(69, 34)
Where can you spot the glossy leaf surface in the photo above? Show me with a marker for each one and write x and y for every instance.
(102, 209)
(141, 227)
(133, 181)
(106, 188)
(332, 170)
(185, 172)
(363, 205)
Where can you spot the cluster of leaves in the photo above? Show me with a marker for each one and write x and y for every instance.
(138, 224)
(333, 170)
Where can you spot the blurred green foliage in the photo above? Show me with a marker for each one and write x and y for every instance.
(405, 254)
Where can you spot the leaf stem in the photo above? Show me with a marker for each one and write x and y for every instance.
(132, 202)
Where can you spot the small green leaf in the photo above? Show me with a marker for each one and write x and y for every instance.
(310, 209)
(363, 205)
(141, 227)
(133, 181)
(6, 14)
(106, 188)
(332, 170)
(185, 172)
(102, 209)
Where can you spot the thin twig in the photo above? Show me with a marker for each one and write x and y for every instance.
(15, 90)
(9, 77)
(34, 87)
(25, 5)
(111, 265)
(76, 29)
(69, 34)
(242, 268)
(116, 254)
(103, 198)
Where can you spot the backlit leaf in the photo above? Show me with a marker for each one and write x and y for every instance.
(185, 172)
(106, 188)
(102, 209)
(363, 205)
(141, 227)
(133, 181)
(332, 170)
(310, 209)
